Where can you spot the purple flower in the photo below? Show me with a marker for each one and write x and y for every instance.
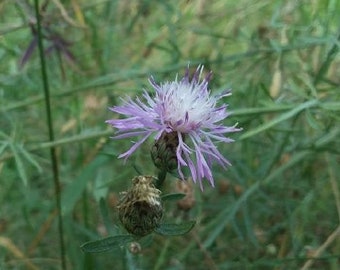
(185, 109)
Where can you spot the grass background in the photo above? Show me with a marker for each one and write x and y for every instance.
(277, 207)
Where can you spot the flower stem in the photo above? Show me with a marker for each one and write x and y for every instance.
(161, 178)
(53, 153)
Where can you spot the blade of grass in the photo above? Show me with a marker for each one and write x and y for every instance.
(329, 58)
(279, 119)
(77, 138)
(29, 157)
(19, 164)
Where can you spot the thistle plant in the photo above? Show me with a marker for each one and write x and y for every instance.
(187, 125)
(185, 120)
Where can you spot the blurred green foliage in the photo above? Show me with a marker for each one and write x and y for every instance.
(275, 208)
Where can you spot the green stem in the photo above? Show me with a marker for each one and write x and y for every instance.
(161, 178)
(53, 153)
(63, 141)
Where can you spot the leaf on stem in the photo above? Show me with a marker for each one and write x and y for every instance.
(175, 229)
(107, 244)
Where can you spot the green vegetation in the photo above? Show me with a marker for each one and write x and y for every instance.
(277, 207)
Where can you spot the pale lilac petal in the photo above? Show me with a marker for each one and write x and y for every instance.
(130, 134)
(134, 147)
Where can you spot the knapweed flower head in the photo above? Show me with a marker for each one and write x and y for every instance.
(186, 123)
(140, 209)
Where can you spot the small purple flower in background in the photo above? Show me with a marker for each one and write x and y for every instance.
(184, 115)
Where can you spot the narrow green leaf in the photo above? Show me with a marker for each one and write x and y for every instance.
(29, 158)
(261, 110)
(107, 244)
(175, 229)
(311, 120)
(330, 106)
(19, 164)
(3, 146)
(173, 197)
(279, 119)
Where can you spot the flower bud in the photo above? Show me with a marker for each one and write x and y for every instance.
(135, 248)
(163, 152)
(140, 209)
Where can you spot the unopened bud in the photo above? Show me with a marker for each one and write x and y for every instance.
(135, 247)
(163, 152)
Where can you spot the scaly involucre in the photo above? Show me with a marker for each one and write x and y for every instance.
(185, 108)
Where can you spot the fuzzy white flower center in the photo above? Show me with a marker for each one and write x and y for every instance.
(186, 106)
